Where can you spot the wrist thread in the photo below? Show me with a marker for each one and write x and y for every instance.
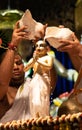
(12, 47)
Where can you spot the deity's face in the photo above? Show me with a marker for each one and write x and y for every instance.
(41, 47)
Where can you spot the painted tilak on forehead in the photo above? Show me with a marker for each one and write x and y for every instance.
(40, 43)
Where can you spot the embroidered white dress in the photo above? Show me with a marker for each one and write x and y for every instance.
(39, 96)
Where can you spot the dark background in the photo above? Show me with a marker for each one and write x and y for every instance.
(35, 4)
(44, 10)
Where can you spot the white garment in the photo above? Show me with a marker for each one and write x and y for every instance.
(32, 99)
(39, 96)
(20, 108)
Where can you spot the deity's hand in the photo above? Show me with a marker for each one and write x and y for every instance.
(35, 55)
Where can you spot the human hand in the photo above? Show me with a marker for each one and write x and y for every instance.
(18, 34)
(61, 26)
(70, 46)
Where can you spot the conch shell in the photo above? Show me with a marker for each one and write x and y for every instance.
(35, 29)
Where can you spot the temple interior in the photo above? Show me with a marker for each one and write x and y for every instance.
(55, 13)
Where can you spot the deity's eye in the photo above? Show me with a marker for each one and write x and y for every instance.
(43, 45)
(36, 45)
